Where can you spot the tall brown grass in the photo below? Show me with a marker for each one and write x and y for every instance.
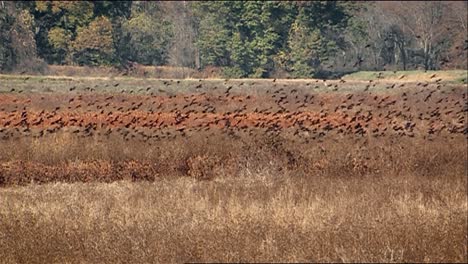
(257, 217)
(62, 157)
(248, 199)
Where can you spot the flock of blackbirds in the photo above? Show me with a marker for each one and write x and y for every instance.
(309, 110)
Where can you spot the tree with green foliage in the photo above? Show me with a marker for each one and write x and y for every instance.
(148, 37)
(213, 42)
(6, 51)
(60, 40)
(251, 38)
(243, 38)
(60, 22)
(312, 38)
(215, 26)
(304, 51)
(17, 44)
(94, 44)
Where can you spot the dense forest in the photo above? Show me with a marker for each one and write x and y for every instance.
(243, 39)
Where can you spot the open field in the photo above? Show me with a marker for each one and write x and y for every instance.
(368, 168)
(414, 76)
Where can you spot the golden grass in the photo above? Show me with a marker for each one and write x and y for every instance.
(336, 201)
(258, 217)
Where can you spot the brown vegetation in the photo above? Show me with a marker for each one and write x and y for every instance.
(259, 217)
(139, 71)
(62, 158)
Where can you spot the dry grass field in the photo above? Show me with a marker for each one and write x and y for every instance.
(368, 168)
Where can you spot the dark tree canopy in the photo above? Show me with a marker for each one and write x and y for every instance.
(244, 39)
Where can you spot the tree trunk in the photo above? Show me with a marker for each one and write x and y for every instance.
(426, 55)
(197, 58)
(403, 54)
(395, 52)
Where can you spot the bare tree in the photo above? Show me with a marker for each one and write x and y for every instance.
(183, 52)
(459, 11)
(375, 27)
(457, 53)
(375, 38)
(426, 22)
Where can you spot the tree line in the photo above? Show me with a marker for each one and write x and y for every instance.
(244, 39)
